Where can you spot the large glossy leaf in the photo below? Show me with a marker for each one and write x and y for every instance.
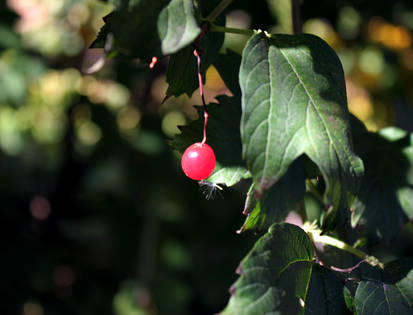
(385, 202)
(276, 202)
(390, 292)
(223, 136)
(177, 25)
(280, 276)
(182, 68)
(294, 103)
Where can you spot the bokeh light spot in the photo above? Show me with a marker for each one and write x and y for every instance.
(170, 122)
(128, 118)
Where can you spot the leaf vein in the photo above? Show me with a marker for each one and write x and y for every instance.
(332, 139)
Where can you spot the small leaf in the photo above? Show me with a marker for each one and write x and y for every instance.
(294, 103)
(182, 68)
(391, 292)
(385, 202)
(280, 276)
(177, 26)
(223, 137)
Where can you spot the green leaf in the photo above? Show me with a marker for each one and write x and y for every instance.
(225, 65)
(294, 103)
(385, 202)
(391, 292)
(223, 136)
(276, 202)
(134, 28)
(177, 25)
(182, 68)
(325, 294)
(280, 276)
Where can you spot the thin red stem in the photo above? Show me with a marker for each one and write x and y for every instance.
(197, 53)
(348, 269)
(201, 92)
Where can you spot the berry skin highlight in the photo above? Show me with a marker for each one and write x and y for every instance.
(198, 161)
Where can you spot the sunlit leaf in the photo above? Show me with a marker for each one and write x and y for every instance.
(294, 103)
(177, 25)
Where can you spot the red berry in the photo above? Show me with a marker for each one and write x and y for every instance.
(198, 161)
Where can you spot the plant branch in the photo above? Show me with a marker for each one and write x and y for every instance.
(328, 240)
(218, 10)
(315, 234)
(296, 19)
(222, 29)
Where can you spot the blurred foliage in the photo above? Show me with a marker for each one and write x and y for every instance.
(96, 217)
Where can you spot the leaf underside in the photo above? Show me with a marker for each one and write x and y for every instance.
(294, 103)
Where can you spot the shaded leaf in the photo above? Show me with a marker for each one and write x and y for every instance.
(134, 27)
(294, 103)
(385, 202)
(182, 68)
(280, 276)
(391, 292)
(227, 66)
(325, 294)
(223, 137)
(177, 25)
(276, 202)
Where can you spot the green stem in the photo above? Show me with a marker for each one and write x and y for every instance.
(218, 10)
(328, 240)
(222, 29)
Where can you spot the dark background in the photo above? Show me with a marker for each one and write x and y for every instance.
(96, 216)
